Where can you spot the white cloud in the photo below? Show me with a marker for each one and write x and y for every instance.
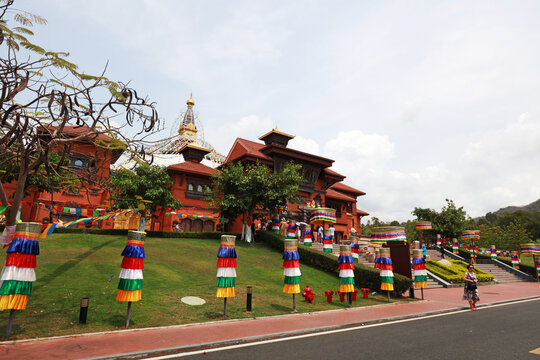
(306, 145)
(249, 127)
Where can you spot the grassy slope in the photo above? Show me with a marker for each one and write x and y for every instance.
(71, 266)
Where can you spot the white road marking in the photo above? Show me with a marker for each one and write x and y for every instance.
(263, 342)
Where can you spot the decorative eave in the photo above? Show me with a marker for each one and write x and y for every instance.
(276, 137)
(194, 153)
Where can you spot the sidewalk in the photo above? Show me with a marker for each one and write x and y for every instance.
(185, 336)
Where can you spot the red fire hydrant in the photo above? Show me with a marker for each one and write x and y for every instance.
(328, 294)
(341, 296)
(308, 294)
(365, 291)
(354, 294)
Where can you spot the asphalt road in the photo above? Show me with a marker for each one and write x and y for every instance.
(505, 332)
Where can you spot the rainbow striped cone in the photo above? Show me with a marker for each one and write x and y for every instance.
(346, 269)
(439, 240)
(275, 225)
(291, 230)
(387, 273)
(381, 235)
(515, 260)
(455, 246)
(327, 241)
(493, 252)
(308, 236)
(419, 269)
(377, 264)
(537, 267)
(423, 225)
(226, 267)
(355, 248)
(18, 273)
(291, 267)
(530, 249)
(131, 275)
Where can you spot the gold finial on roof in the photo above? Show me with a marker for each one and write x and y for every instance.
(190, 101)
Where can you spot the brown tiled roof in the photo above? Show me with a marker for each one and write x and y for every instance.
(247, 147)
(342, 187)
(337, 195)
(75, 131)
(360, 212)
(190, 167)
(333, 173)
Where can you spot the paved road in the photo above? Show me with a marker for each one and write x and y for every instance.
(507, 331)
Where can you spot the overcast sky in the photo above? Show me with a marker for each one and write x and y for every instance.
(416, 101)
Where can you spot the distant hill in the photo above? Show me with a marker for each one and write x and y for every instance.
(534, 206)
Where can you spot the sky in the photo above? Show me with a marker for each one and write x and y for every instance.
(416, 101)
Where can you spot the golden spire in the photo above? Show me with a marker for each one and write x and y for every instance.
(190, 101)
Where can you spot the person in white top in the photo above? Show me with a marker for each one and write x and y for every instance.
(332, 231)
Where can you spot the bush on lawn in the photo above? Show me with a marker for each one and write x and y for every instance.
(454, 274)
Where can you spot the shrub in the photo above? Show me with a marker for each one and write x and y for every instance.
(454, 274)
(158, 234)
(364, 276)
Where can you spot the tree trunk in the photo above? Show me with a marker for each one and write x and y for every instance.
(18, 195)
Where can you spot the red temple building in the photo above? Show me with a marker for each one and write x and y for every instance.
(187, 162)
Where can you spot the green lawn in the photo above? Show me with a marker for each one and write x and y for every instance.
(525, 259)
(71, 266)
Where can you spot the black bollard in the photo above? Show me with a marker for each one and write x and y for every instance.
(84, 309)
(249, 297)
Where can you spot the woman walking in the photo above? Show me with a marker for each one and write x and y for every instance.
(471, 290)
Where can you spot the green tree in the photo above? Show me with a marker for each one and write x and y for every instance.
(451, 221)
(43, 95)
(241, 189)
(145, 188)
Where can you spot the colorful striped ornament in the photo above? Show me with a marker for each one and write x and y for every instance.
(323, 215)
(291, 267)
(515, 260)
(381, 235)
(291, 230)
(308, 236)
(439, 240)
(376, 262)
(470, 235)
(131, 275)
(493, 252)
(455, 246)
(423, 225)
(355, 248)
(346, 269)
(537, 267)
(387, 273)
(419, 269)
(18, 273)
(275, 225)
(327, 241)
(530, 249)
(226, 267)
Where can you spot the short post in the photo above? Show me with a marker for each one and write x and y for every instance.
(293, 302)
(388, 293)
(249, 297)
(422, 291)
(349, 299)
(224, 308)
(10, 323)
(84, 309)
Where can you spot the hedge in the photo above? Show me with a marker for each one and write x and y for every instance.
(157, 234)
(364, 276)
(454, 274)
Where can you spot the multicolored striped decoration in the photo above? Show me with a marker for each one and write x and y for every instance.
(291, 267)
(493, 252)
(275, 225)
(18, 273)
(515, 260)
(537, 266)
(327, 241)
(376, 262)
(291, 230)
(308, 236)
(387, 271)
(530, 249)
(320, 215)
(226, 267)
(455, 246)
(381, 235)
(439, 240)
(470, 235)
(423, 225)
(131, 275)
(346, 269)
(355, 248)
(419, 269)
